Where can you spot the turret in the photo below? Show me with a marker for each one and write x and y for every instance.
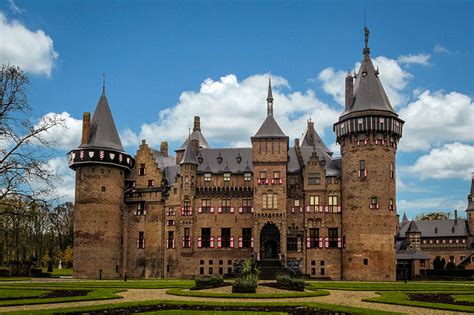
(413, 235)
(470, 208)
(368, 131)
(100, 164)
(196, 136)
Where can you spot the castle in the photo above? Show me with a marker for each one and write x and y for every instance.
(155, 215)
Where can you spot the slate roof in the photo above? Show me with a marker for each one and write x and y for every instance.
(188, 156)
(369, 94)
(408, 255)
(412, 228)
(270, 129)
(195, 135)
(404, 219)
(332, 166)
(163, 160)
(208, 160)
(317, 141)
(103, 133)
(170, 173)
(439, 228)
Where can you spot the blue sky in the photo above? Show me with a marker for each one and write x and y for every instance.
(168, 61)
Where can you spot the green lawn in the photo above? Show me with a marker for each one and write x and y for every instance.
(59, 272)
(401, 298)
(464, 297)
(290, 294)
(392, 286)
(9, 294)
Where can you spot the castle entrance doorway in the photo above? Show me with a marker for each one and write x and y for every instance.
(269, 241)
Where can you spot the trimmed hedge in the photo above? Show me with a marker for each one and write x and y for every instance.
(244, 286)
(290, 283)
(208, 282)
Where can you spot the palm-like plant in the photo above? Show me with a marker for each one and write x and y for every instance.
(250, 270)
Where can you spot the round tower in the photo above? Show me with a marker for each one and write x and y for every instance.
(368, 131)
(101, 165)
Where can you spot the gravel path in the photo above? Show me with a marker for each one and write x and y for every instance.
(347, 298)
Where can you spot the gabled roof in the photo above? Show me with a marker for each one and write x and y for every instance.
(439, 228)
(369, 94)
(311, 138)
(103, 133)
(270, 129)
(413, 228)
(195, 135)
(188, 156)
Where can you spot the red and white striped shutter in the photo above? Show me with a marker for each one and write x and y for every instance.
(308, 242)
(219, 210)
(212, 241)
(321, 242)
(358, 173)
(267, 181)
(199, 242)
(232, 209)
(301, 209)
(339, 208)
(308, 208)
(326, 242)
(190, 210)
(259, 181)
(339, 242)
(281, 181)
(172, 243)
(273, 181)
(144, 211)
(326, 209)
(241, 242)
(200, 210)
(212, 209)
(138, 243)
(231, 242)
(182, 243)
(182, 210)
(174, 222)
(219, 242)
(292, 209)
(240, 210)
(365, 172)
(321, 209)
(251, 242)
(167, 222)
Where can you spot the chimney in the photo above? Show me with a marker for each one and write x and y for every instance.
(349, 90)
(86, 127)
(197, 124)
(297, 143)
(311, 131)
(455, 217)
(164, 148)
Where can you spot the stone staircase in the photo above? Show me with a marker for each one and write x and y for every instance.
(269, 268)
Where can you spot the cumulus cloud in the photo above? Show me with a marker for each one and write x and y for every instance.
(63, 178)
(436, 118)
(394, 79)
(231, 112)
(452, 160)
(417, 206)
(63, 136)
(33, 51)
(420, 59)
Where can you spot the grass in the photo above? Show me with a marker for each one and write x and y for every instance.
(131, 284)
(227, 305)
(7, 279)
(197, 293)
(7, 294)
(59, 272)
(463, 297)
(401, 298)
(392, 286)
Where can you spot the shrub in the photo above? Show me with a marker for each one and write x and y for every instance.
(208, 282)
(450, 265)
(250, 270)
(438, 263)
(290, 283)
(242, 285)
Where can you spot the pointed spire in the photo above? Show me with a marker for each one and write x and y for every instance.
(103, 83)
(404, 219)
(188, 157)
(470, 197)
(270, 98)
(413, 228)
(366, 40)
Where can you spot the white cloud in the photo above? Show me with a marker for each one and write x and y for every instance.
(33, 51)
(452, 160)
(64, 178)
(417, 206)
(436, 118)
(15, 8)
(231, 112)
(421, 59)
(394, 79)
(440, 49)
(65, 136)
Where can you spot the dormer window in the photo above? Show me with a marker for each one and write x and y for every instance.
(219, 158)
(207, 177)
(226, 177)
(247, 177)
(238, 159)
(200, 159)
(436, 230)
(364, 73)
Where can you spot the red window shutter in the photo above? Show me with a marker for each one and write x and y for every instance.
(292, 209)
(339, 208)
(212, 209)
(308, 208)
(199, 210)
(138, 243)
(219, 242)
(267, 181)
(251, 242)
(232, 209)
(241, 241)
(273, 181)
(281, 181)
(144, 211)
(326, 242)
(308, 242)
(232, 242)
(190, 210)
(321, 209)
(259, 181)
(339, 242)
(326, 209)
(240, 210)
(365, 173)
(358, 173)
(182, 210)
(321, 242)
(199, 242)
(212, 241)
(219, 210)
(172, 243)
(182, 243)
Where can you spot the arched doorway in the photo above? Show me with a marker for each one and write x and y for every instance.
(269, 241)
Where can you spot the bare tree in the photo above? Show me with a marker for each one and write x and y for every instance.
(22, 141)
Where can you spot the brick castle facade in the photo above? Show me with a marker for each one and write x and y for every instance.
(156, 215)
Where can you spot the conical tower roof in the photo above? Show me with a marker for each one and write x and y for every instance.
(470, 197)
(188, 157)
(103, 133)
(270, 128)
(404, 219)
(369, 95)
(413, 228)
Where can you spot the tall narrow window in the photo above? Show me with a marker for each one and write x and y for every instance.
(170, 243)
(225, 205)
(186, 238)
(140, 208)
(206, 206)
(247, 237)
(141, 240)
(313, 238)
(187, 207)
(291, 244)
(313, 202)
(225, 237)
(390, 206)
(206, 237)
(362, 169)
(275, 201)
(247, 177)
(246, 205)
(333, 201)
(392, 170)
(141, 170)
(333, 236)
(151, 183)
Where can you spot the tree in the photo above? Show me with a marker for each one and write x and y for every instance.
(22, 141)
(437, 215)
(438, 263)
